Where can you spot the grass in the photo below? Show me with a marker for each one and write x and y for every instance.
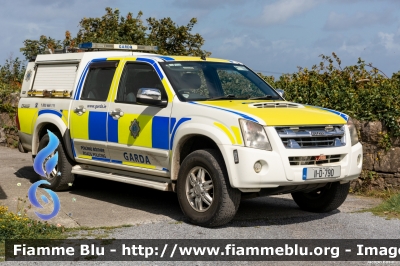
(17, 226)
(390, 208)
(2, 251)
(380, 194)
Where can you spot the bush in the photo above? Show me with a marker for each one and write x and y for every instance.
(14, 226)
(361, 91)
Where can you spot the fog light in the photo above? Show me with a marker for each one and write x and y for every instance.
(257, 167)
(359, 159)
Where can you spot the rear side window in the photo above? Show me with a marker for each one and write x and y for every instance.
(98, 81)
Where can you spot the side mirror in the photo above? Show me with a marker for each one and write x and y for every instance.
(150, 96)
(280, 92)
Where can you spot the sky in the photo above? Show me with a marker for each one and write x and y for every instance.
(269, 36)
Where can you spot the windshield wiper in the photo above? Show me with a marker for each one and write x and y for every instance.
(228, 96)
(265, 97)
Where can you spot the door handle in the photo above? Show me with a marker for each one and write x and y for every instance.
(117, 113)
(79, 110)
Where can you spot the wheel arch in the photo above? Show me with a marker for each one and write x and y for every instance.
(206, 137)
(47, 122)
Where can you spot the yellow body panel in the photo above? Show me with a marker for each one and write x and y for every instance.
(27, 119)
(65, 117)
(236, 132)
(80, 126)
(306, 115)
(192, 58)
(85, 157)
(139, 165)
(168, 89)
(145, 124)
(115, 82)
(226, 131)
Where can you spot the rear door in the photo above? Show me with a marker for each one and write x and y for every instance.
(138, 134)
(88, 121)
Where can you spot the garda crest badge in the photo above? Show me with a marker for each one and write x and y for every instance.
(134, 128)
(28, 75)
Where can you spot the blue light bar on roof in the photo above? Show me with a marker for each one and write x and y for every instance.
(109, 46)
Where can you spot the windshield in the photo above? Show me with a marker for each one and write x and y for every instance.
(202, 81)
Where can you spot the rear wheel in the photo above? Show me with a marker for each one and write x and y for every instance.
(324, 199)
(61, 177)
(204, 191)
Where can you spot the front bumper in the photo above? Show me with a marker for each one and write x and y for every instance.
(276, 169)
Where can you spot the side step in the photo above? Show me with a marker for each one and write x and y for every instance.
(124, 177)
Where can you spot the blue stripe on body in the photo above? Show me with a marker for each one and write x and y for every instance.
(159, 132)
(230, 111)
(153, 63)
(166, 58)
(116, 161)
(173, 121)
(100, 159)
(182, 120)
(98, 126)
(112, 129)
(73, 147)
(47, 111)
(342, 115)
(99, 60)
(82, 78)
(78, 89)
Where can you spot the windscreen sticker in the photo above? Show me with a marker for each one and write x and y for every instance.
(241, 68)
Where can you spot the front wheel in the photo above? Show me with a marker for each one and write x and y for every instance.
(324, 199)
(61, 177)
(204, 191)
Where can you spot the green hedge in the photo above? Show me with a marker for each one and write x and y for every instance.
(361, 91)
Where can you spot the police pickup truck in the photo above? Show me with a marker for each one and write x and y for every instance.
(209, 129)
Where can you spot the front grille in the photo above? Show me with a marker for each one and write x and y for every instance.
(315, 160)
(311, 137)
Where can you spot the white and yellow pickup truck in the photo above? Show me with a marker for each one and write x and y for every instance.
(209, 129)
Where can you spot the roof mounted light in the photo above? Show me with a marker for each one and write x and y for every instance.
(109, 46)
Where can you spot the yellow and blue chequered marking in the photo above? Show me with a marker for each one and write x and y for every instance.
(157, 130)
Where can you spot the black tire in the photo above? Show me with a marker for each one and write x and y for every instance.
(324, 199)
(225, 199)
(64, 166)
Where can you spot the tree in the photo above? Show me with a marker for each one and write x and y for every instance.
(11, 75)
(35, 47)
(113, 28)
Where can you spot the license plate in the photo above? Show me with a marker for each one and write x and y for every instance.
(321, 172)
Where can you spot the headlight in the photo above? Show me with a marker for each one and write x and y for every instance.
(353, 132)
(254, 135)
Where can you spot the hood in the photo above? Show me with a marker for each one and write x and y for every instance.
(279, 113)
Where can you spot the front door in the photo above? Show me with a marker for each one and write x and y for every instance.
(89, 114)
(138, 134)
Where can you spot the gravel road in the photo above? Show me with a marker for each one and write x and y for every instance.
(156, 215)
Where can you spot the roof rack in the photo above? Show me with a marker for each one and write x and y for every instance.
(109, 46)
